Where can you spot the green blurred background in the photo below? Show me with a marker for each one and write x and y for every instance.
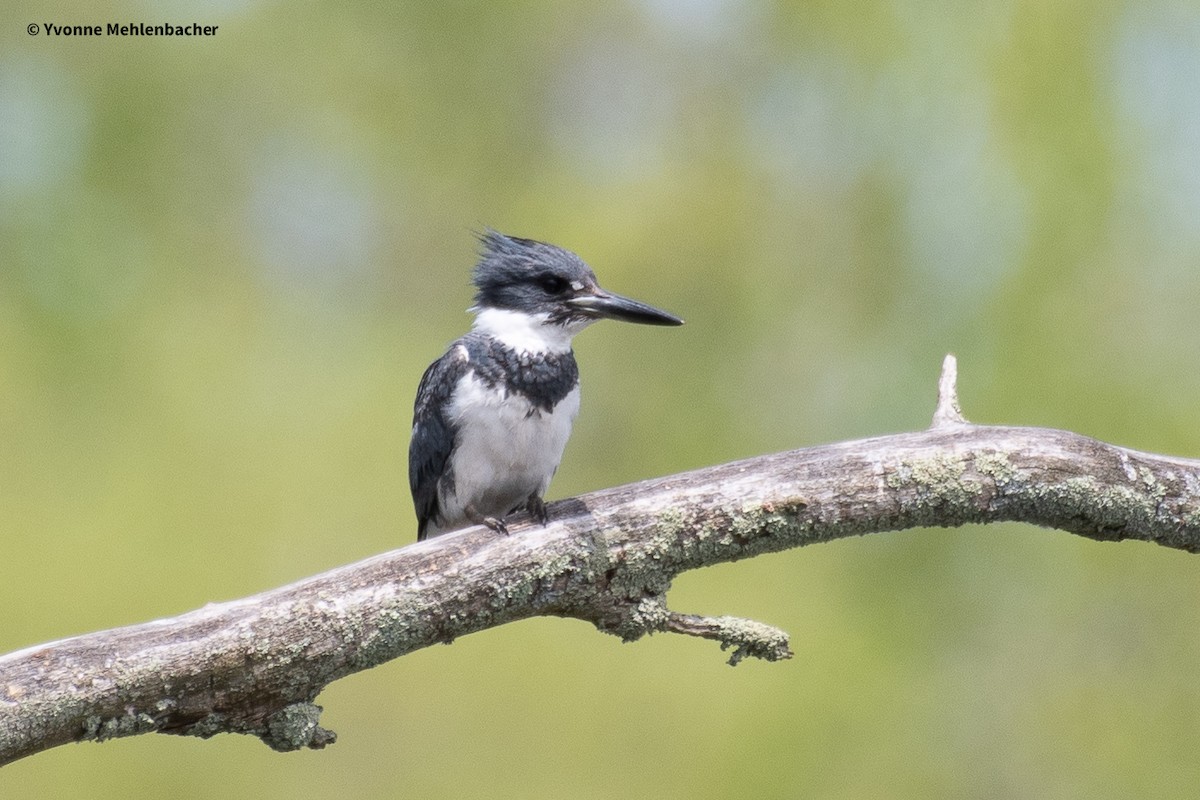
(224, 263)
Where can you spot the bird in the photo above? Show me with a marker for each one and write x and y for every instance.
(492, 416)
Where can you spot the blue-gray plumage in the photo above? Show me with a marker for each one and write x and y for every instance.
(493, 414)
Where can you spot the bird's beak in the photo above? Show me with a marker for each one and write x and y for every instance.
(605, 305)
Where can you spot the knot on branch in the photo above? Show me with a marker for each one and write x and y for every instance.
(295, 727)
(628, 618)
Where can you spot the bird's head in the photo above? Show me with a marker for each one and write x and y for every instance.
(540, 280)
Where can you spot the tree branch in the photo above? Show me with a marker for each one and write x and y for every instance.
(255, 665)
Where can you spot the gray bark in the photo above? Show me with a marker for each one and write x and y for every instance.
(255, 665)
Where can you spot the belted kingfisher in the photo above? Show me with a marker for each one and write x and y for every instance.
(493, 414)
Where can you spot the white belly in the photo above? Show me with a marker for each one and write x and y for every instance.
(505, 449)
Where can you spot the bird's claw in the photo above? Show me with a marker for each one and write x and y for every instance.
(496, 524)
(537, 509)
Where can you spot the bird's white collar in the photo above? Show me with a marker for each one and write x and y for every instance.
(529, 333)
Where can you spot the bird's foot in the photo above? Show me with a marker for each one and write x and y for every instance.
(495, 523)
(537, 509)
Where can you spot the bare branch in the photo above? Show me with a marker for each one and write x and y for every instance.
(256, 665)
(745, 636)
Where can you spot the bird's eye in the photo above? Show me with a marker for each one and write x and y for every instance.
(552, 284)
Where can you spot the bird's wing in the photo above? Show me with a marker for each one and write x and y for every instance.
(432, 433)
